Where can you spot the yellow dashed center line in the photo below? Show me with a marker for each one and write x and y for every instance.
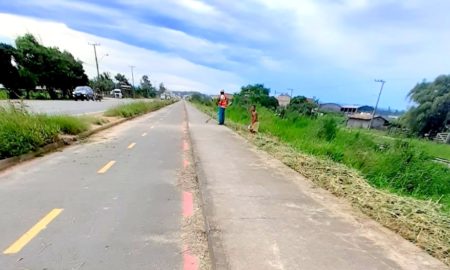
(35, 230)
(144, 134)
(131, 145)
(106, 167)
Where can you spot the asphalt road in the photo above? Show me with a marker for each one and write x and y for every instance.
(70, 106)
(110, 203)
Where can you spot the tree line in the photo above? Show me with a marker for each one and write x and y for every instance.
(30, 64)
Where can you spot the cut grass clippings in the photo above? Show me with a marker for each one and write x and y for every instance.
(137, 108)
(419, 221)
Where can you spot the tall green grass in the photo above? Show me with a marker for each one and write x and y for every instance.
(3, 95)
(136, 108)
(399, 165)
(21, 132)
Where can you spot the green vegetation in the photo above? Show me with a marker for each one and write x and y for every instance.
(21, 132)
(136, 108)
(29, 64)
(3, 94)
(432, 113)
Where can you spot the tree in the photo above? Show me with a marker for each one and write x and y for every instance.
(103, 83)
(9, 74)
(162, 88)
(146, 88)
(121, 79)
(48, 67)
(302, 105)
(256, 94)
(432, 111)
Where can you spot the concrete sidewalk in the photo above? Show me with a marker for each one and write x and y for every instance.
(263, 215)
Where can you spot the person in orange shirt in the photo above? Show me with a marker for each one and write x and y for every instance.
(222, 104)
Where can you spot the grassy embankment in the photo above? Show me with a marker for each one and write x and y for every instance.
(22, 132)
(394, 181)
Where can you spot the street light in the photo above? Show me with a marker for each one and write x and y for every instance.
(378, 100)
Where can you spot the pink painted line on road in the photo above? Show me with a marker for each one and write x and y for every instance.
(189, 262)
(188, 204)
(185, 145)
(185, 163)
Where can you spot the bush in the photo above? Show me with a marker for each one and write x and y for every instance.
(3, 95)
(328, 129)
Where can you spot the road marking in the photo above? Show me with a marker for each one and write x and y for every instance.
(107, 167)
(144, 134)
(189, 262)
(188, 204)
(35, 230)
(152, 127)
(185, 146)
(185, 163)
(131, 145)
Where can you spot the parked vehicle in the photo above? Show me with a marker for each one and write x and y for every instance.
(116, 93)
(83, 93)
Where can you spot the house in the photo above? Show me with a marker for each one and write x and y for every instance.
(284, 100)
(362, 120)
(351, 109)
(330, 107)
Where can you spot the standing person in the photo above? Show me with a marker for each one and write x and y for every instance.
(222, 104)
(254, 126)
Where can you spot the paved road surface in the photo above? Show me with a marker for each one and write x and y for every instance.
(128, 217)
(70, 106)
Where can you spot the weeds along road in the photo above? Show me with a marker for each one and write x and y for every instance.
(112, 202)
(69, 106)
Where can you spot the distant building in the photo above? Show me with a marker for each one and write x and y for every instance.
(351, 109)
(362, 120)
(228, 95)
(283, 100)
(330, 107)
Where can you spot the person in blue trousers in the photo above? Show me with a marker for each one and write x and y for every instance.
(222, 106)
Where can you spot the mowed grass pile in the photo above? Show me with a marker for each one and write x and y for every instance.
(136, 108)
(22, 132)
(421, 221)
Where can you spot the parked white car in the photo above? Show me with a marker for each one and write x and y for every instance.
(116, 93)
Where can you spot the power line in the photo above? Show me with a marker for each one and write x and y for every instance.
(95, 53)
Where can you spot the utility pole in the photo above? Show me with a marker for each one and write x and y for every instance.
(292, 91)
(132, 79)
(95, 53)
(378, 100)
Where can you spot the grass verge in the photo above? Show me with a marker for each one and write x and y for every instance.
(21, 132)
(420, 221)
(136, 108)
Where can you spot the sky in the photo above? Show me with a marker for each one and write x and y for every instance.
(332, 50)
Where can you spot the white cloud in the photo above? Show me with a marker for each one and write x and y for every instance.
(175, 72)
